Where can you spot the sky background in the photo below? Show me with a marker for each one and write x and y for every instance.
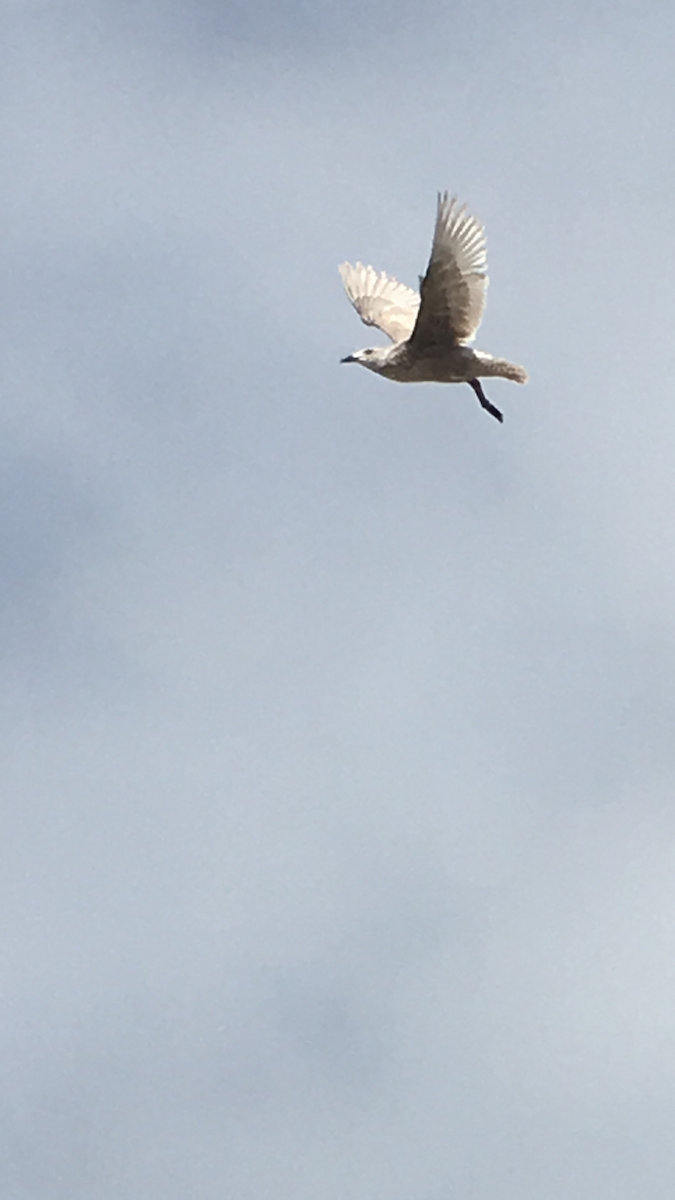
(336, 721)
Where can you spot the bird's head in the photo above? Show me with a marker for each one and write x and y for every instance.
(374, 359)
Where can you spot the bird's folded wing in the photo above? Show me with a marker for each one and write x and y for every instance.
(380, 300)
(453, 289)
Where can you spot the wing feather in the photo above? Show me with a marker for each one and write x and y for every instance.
(455, 285)
(381, 300)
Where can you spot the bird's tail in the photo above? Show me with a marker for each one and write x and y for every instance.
(499, 366)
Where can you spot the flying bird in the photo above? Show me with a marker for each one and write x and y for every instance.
(431, 329)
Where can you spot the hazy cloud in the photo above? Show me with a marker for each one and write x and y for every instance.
(336, 723)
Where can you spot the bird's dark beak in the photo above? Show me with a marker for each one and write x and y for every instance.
(349, 358)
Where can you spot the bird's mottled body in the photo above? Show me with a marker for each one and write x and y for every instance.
(403, 365)
(431, 330)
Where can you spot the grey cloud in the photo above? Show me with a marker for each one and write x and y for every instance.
(337, 768)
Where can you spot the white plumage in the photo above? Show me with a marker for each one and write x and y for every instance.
(431, 329)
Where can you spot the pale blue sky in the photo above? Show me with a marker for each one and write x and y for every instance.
(338, 835)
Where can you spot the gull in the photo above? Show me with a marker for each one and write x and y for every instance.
(431, 329)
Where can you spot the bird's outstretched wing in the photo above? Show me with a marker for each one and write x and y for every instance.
(453, 289)
(380, 300)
